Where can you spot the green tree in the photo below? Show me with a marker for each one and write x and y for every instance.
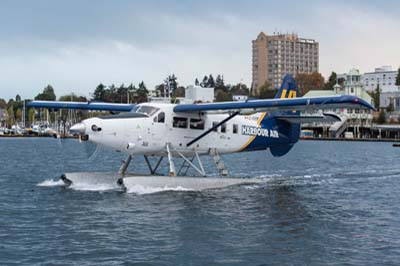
(266, 92)
(331, 81)
(3, 103)
(196, 82)
(72, 98)
(376, 97)
(111, 95)
(219, 81)
(172, 83)
(312, 81)
(17, 98)
(131, 91)
(122, 93)
(18, 115)
(179, 92)
(210, 82)
(47, 94)
(142, 93)
(99, 93)
(398, 77)
(160, 89)
(381, 118)
(204, 82)
(222, 96)
(240, 89)
(10, 103)
(10, 114)
(31, 115)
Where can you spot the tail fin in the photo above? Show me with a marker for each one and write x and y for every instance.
(290, 130)
(288, 88)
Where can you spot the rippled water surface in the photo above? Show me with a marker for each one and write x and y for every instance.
(325, 203)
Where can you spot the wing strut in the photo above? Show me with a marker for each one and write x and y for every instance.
(212, 129)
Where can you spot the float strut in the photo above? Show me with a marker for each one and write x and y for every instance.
(153, 171)
(125, 165)
(172, 171)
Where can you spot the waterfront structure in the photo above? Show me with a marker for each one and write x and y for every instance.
(356, 120)
(385, 76)
(276, 55)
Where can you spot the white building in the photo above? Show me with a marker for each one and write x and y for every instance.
(385, 76)
(199, 94)
(352, 86)
(238, 97)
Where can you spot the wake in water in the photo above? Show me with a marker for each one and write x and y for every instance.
(141, 190)
(51, 183)
(153, 184)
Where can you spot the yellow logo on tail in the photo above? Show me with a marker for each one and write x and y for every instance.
(292, 94)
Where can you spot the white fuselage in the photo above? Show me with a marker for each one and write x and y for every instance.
(150, 133)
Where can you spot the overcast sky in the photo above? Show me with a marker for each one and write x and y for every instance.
(74, 45)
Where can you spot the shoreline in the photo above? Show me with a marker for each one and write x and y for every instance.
(307, 139)
(35, 136)
(359, 140)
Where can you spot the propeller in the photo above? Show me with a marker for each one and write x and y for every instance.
(91, 150)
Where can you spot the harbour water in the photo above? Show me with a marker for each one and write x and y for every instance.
(325, 203)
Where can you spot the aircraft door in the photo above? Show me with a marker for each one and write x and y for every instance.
(159, 127)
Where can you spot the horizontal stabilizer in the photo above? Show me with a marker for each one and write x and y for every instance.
(325, 117)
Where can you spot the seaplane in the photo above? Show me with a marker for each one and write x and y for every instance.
(190, 131)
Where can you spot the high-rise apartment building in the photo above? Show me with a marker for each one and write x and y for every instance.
(280, 54)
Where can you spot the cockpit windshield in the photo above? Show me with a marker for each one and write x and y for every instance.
(145, 109)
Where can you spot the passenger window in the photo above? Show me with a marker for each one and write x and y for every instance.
(196, 123)
(223, 128)
(180, 122)
(161, 117)
(235, 128)
(213, 125)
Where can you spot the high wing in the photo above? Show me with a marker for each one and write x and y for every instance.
(279, 104)
(98, 106)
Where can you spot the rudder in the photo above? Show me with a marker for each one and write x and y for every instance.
(288, 88)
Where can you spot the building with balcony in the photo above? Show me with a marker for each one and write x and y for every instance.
(276, 55)
(385, 76)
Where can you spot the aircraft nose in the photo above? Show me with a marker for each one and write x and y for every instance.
(79, 128)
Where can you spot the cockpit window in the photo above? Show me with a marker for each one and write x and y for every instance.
(145, 109)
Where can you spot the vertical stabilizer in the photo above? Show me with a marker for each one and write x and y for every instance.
(288, 88)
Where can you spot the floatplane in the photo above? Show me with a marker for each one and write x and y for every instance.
(189, 131)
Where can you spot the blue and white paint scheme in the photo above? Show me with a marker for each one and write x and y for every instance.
(163, 129)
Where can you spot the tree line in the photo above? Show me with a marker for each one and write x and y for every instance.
(121, 94)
